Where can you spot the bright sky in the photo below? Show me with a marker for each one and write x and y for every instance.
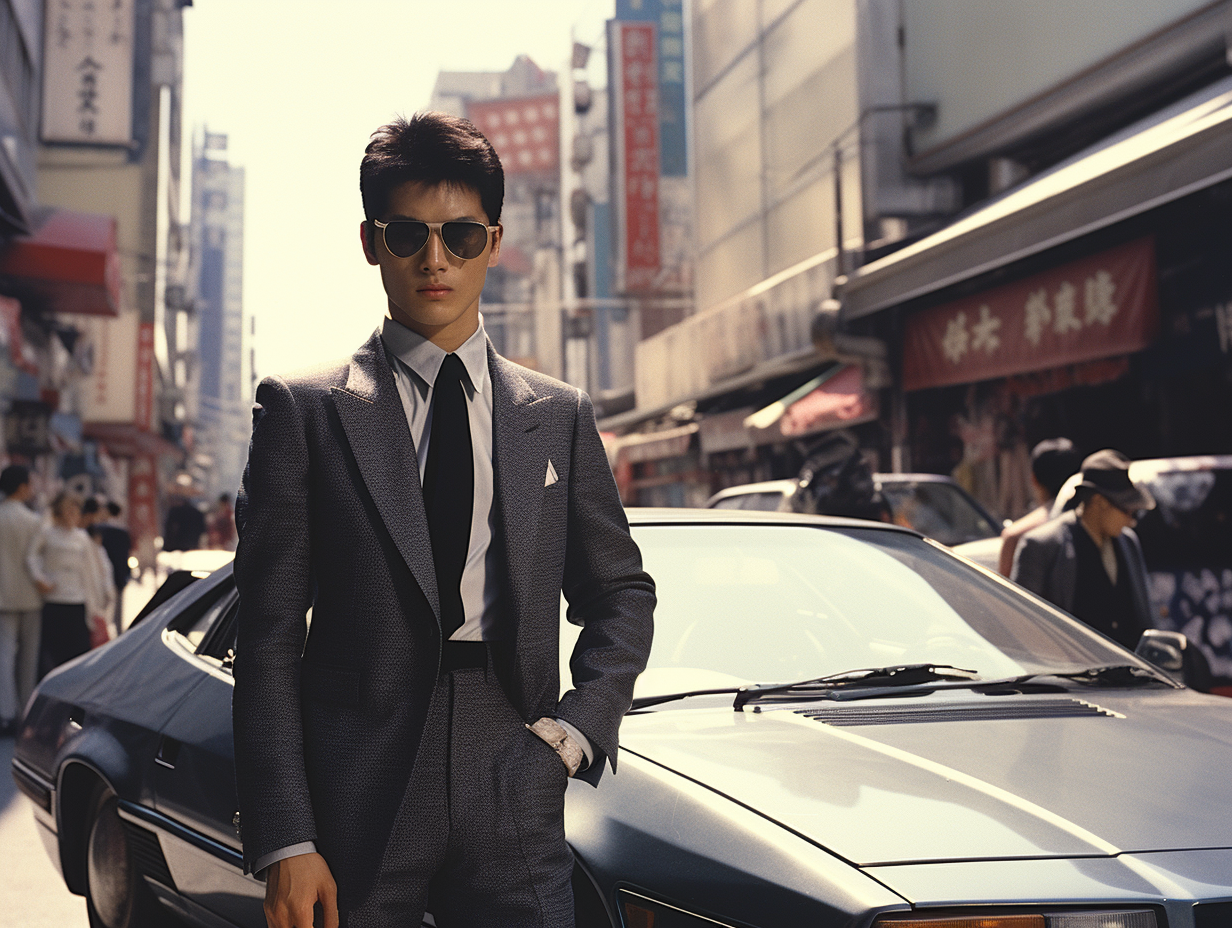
(298, 85)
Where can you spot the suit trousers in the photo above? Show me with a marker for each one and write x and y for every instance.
(479, 838)
(19, 655)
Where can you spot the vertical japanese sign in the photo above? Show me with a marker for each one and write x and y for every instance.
(88, 71)
(144, 398)
(143, 497)
(637, 151)
(1098, 307)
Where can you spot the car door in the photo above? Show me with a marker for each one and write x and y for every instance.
(193, 781)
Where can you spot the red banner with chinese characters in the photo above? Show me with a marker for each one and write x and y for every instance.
(143, 497)
(639, 148)
(144, 406)
(1098, 307)
(525, 132)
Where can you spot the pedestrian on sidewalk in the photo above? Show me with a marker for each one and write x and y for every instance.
(118, 543)
(20, 601)
(62, 561)
(220, 527)
(1088, 560)
(1053, 461)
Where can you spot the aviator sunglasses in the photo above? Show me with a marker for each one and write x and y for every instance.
(463, 238)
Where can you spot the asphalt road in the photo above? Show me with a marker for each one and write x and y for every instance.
(32, 893)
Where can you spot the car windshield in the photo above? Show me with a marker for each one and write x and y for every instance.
(770, 603)
(937, 509)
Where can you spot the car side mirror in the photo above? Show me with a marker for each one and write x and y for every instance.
(1164, 649)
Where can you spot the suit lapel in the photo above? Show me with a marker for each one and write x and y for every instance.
(372, 416)
(520, 466)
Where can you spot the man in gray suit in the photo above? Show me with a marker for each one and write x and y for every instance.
(430, 501)
(1088, 560)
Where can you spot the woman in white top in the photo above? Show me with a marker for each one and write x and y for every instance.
(65, 570)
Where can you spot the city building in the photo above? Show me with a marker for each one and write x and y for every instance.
(92, 262)
(219, 369)
(519, 111)
(965, 229)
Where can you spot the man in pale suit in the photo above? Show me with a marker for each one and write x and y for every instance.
(20, 602)
(430, 501)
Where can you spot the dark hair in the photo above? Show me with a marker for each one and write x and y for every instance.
(90, 506)
(13, 478)
(1054, 461)
(432, 148)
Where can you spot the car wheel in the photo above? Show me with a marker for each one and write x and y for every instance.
(116, 893)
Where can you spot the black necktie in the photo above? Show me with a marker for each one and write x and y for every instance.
(449, 488)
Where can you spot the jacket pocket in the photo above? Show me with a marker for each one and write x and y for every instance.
(333, 686)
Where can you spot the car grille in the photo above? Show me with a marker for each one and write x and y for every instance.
(966, 711)
(147, 854)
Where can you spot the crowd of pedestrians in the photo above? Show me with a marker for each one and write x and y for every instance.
(61, 580)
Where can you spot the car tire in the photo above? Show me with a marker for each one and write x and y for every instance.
(116, 893)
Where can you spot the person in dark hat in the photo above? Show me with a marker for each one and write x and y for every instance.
(1088, 561)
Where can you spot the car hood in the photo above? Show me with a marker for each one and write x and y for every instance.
(1147, 773)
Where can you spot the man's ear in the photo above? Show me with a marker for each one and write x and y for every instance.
(363, 240)
(494, 254)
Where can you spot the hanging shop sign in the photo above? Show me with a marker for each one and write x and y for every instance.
(27, 428)
(88, 72)
(525, 132)
(1098, 307)
(637, 153)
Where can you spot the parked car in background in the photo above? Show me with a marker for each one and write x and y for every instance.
(842, 725)
(931, 504)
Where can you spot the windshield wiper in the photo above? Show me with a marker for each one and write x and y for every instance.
(894, 677)
(910, 680)
(1113, 675)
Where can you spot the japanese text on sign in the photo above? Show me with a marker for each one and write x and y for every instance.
(1097, 307)
(88, 71)
(639, 142)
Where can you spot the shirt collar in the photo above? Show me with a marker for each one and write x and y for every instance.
(425, 358)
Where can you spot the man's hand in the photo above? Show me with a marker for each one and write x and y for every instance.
(293, 885)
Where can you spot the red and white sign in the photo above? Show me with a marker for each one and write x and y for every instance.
(21, 354)
(1097, 307)
(524, 132)
(637, 116)
(144, 399)
(143, 497)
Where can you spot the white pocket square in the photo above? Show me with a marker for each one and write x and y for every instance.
(551, 477)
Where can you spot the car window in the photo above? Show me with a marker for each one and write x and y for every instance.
(1192, 521)
(757, 603)
(762, 501)
(939, 510)
(200, 615)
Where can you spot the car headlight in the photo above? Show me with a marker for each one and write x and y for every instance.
(636, 911)
(1111, 918)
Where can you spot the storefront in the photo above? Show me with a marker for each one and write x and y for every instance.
(1091, 302)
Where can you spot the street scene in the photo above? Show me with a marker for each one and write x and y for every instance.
(759, 462)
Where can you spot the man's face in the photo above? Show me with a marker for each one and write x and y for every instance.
(1111, 519)
(434, 292)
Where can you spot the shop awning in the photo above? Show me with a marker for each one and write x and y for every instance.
(1175, 152)
(70, 260)
(124, 440)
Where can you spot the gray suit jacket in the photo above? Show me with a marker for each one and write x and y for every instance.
(1046, 564)
(331, 515)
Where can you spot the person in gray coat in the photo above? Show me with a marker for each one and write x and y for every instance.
(21, 603)
(1088, 561)
(430, 501)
